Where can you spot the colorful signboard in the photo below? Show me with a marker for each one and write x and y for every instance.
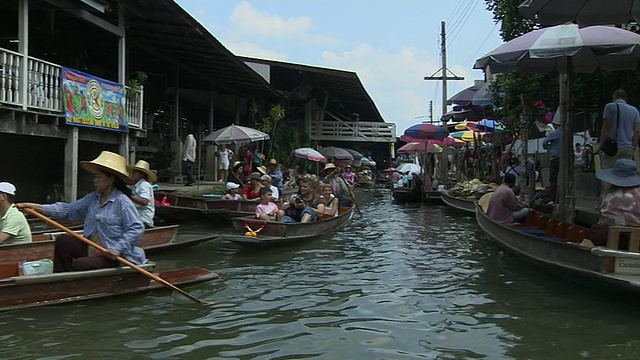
(93, 102)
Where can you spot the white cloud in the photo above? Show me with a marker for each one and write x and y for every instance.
(249, 21)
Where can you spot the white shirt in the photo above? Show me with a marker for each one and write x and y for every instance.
(274, 192)
(224, 156)
(189, 151)
(144, 190)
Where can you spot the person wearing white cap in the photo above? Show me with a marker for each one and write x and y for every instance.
(142, 196)
(232, 192)
(110, 219)
(265, 180)
(14, 228)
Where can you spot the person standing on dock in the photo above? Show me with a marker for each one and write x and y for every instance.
(14, 227)
(189, 158)
(620, 120)
(552, 144)
(224, 157)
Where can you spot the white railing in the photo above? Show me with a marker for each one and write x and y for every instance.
(135, 104)
(44, 87)
(353, 131)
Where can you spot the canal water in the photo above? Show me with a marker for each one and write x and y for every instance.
(404, 282)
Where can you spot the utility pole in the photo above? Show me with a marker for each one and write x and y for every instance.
(430, 111)
(444, 77)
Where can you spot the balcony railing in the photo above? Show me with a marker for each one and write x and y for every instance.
(43, 85)
(353, 131)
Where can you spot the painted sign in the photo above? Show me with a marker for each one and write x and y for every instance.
(627, 266)
(93, 102)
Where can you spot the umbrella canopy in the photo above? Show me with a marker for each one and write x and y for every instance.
(426, 131)
(466, 135)
(545, 50)
(365, 161)
(336, 153)
(476, 95)
(465, 125)
(419, 147)
(490, 126)
(236, 134)
(308, 154)
(583, 12)
(410, 167)
(355, 154)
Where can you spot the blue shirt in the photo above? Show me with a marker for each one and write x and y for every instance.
(552, 143)
(116, 221)
(276, 178)
(623, 126)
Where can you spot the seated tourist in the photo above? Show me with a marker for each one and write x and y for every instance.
(304, 206)
(338, 185)
(504, 206)
(267, 210)
(232, 192)
(251, 191)
(331, 203)
(142, 192)
(620, 202)
(265, 180)
(14, 228)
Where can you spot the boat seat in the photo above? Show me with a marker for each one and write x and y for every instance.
(613, 239)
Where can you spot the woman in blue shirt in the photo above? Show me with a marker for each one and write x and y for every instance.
(110, 219)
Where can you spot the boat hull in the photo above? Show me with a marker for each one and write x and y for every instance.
(403, 195)
(156, 239)
(182, 209)
(276, 233)
(565, 259)
(463, 205)
(40, 290)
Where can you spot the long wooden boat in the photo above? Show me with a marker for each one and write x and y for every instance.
(39, 290)
(154, 240)
(39, 226)
(276, 233)
(466, 205)
(413, 195)
(183, 208)
(556, 246)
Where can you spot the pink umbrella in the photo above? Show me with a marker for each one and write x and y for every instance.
(419, 147)
(308, 154)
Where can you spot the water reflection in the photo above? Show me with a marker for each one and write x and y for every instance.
(406, 282)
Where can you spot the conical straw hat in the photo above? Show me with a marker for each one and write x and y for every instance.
(143, 166)
(111, 163)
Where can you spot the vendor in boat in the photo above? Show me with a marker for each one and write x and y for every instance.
(110, 219)
(232, 192)
(349, 176)
(236, 175)
(304, 206)
(14, 227)
(142, 193)
(251, 192)
(331, 203)
(620, 202)
(338, 185)
(265, 180)
(267, 210)
(504, 206)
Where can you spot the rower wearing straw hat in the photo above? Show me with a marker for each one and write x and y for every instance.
(110, 219)
(143, 192)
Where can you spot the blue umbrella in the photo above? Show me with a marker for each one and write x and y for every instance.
(426, 131)
(490, 126)
(475, 95)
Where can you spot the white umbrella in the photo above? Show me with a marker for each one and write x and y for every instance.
(410, 167)
(583, 12)
(236, 134)
(567, 49)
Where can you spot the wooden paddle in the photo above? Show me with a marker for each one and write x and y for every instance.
(351, 194)
(121, 259)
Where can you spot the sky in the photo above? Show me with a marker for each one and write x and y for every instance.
(391, 45)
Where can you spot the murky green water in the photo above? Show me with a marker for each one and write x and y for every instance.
(407, 282)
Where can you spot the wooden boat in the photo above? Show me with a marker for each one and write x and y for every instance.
(183, 208)
(556, 246)
(466, 205)
(276, 233)
(155, 240)
(38, 226)
(38, 290)
(413, 195)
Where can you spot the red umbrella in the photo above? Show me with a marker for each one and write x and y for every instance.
(426, 131)
(419, 147)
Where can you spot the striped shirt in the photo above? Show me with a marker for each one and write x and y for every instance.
(116, 222)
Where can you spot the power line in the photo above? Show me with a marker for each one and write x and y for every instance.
(482, 43)
(459, 30)
(456, 22)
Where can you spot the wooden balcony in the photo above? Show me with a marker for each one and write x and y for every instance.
(353, 131)
(42, 81)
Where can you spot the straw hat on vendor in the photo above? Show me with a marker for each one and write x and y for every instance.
(108, 163)
(143, 167)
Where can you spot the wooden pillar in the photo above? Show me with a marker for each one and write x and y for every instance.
(71, 164)
(176, 144)
(122, 78)
(210, 148)
(23, 49)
